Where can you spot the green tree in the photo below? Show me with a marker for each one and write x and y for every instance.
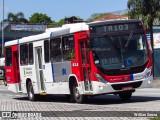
(96, 16)
(39, 18)
(76, 19)
(62, 22)
(52, 24)
(147, 11)
(56, 24)
(79, 18)
(16, 18)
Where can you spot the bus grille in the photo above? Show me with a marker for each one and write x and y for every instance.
(121, 86)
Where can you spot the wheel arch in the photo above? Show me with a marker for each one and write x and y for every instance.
(72, 79)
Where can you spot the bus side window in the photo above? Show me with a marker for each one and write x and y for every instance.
(55, 50)
(8, 56)
(31, 53)
(24, 54)
(46, 51)
(68, 48)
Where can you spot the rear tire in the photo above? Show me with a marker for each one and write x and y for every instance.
(30, 92)
(4, 80)
(76, 96)
(125, 96)
(5, 83)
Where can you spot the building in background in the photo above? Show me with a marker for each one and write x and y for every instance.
(17, 31)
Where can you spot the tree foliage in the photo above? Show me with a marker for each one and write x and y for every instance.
(62, 22)
(147, 11)
(16, 18)
(39, 18)
(79, 18)
(96, 16)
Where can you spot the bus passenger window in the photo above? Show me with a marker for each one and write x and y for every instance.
(31, 53)
(8, 57)
(24, 54)
(68, 48)
(55, 50)
(46, 51)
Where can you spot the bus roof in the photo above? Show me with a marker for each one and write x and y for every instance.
(51, 32)
(65, 29)
(113, 22)
(13, 42)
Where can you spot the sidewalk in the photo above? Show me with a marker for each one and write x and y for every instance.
(156, 83)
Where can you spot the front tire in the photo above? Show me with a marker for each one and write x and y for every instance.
(76, 94)
(5, 82)
(30, 92)
(125, 96)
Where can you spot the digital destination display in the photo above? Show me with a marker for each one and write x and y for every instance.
(116, 28)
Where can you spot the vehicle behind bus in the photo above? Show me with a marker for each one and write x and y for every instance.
(81, 60)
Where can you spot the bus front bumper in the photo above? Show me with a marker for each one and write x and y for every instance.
(106, 88)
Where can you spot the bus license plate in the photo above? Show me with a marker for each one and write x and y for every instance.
(127, 88)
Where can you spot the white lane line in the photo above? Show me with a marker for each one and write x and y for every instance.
(9, 95)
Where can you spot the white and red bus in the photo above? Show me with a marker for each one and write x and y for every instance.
(80, 60)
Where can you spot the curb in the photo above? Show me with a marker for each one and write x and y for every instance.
(156, 83)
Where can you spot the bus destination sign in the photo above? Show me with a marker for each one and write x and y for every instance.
(116, 28)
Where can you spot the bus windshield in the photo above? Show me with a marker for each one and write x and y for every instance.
(119, 51)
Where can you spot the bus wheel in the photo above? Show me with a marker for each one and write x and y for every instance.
(125, 96)
(77, 96)
(5, 82)
(30, 92)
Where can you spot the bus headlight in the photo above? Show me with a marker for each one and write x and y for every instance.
(100, 78)
(148, 72)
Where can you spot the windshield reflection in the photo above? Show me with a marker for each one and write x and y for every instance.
(116, 52)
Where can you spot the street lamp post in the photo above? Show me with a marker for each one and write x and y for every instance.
(3, 31)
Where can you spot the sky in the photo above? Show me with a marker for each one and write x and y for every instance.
(59, 9)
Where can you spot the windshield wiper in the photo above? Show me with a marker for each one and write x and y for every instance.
(129, 39)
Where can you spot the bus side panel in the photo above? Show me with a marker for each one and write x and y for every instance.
(77, 63)
(52, 87)
(12, 71)
(65, 72)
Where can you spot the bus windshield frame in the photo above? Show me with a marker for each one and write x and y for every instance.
(121, 50)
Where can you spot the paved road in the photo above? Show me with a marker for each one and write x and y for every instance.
(142, 100)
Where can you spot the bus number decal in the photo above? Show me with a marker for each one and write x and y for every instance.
(64, 71)
(75, 64)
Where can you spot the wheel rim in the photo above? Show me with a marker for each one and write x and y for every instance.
(31, 95)
(30, 92)
(76, 93)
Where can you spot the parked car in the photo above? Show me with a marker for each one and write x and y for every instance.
(1, 74)
(2, 70)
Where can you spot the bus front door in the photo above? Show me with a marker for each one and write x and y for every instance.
(39, 68)
(16, 69)
(85, 65)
